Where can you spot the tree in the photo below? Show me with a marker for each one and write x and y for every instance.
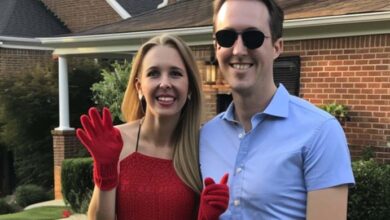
(29, 111)
(109, 92)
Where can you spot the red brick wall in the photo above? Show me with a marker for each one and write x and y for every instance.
(82, 15)
(16, 61)
(354, 71)
(65, 145)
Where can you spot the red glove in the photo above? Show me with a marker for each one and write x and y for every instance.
(104, 143)
(214, 199)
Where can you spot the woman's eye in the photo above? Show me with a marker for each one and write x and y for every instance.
(153, 73)
(176, 73)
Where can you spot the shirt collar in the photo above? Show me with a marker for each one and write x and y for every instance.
(279, 103)
(278, 106)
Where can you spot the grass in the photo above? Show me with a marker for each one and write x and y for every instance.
(40, 213)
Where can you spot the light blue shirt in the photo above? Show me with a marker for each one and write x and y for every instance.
(293, 147)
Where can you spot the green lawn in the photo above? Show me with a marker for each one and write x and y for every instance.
(41, 213)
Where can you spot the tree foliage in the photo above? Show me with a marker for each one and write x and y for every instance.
(29, 111)
(110, 90)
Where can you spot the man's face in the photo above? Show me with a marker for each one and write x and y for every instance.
(246, 70)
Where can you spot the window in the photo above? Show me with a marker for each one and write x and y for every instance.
(287, 72)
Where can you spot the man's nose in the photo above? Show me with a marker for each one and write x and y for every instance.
(239, 48)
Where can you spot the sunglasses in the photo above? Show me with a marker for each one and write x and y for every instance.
(252, 38)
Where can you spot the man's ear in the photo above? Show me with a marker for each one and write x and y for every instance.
(216, 46)
(278, 47)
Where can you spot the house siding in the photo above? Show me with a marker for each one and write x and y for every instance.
(354, 71)
(82, 15)
(18, 61)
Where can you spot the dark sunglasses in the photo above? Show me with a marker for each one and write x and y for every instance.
(252, 38)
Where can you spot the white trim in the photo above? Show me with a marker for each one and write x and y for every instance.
(20, 39)
(112, 49)
(162, 4)
(23, 47)
(118, 9)
(335, 20)
(126, 36)
(22, 43)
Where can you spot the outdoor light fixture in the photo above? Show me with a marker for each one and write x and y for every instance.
(211, 70)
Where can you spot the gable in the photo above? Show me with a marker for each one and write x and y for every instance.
(28, 18)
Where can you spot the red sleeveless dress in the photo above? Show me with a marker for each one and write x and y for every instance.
(149, 189)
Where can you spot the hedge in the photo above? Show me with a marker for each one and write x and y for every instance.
(29, 194)
(77, 183)
(369, 199)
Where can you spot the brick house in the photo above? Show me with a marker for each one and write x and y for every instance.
(22, 22)
(335, 51)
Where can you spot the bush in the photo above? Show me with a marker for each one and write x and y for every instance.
(29, 110)
(339, 111)
(29, 194)
(370, 198)
(110, 90)
(77, 184)
(5, 208)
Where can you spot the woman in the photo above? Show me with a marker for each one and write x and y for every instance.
(148, 168)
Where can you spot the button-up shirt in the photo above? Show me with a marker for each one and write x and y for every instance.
(292, 148)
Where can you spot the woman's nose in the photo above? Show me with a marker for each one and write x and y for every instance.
(165, 82)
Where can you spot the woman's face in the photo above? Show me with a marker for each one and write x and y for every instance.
(163, 81)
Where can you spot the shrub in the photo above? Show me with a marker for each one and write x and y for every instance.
(77, 184)
(110, 90)
(370, 197)
(29, 110)
(28, 194)
(339, 111)
(5, 208)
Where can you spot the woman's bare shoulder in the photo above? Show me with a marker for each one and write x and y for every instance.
(129, 132)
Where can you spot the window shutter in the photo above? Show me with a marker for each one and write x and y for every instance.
(287, 72)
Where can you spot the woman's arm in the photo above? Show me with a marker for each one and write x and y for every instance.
(102, 205)
(330, 203)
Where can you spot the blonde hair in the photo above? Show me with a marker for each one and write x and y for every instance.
(186, 134)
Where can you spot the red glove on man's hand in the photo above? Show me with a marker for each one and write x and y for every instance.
(104, 143)
(214, 199)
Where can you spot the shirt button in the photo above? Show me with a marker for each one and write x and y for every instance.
(236, 202)
(238, 170)
(240, 135)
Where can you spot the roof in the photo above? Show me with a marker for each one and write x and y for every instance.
(297, 9)
(192, 21)
(182, 14)
(198, 13)
(28, 18)
(136, 7)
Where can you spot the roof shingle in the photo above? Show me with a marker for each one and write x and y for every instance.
(28, 18)
(198, 13)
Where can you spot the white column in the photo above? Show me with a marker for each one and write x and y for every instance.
(63, 94)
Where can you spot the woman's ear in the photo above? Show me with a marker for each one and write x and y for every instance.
(138, 87)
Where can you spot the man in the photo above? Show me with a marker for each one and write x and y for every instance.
(287, 159)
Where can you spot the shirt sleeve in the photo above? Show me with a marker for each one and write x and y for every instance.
(327, 161)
